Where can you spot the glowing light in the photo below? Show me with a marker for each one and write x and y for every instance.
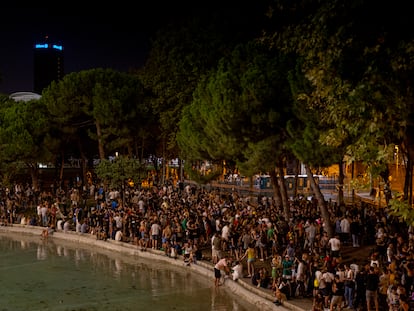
(42, 46)
(47, 46)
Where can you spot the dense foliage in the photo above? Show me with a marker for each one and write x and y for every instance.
(319, 81)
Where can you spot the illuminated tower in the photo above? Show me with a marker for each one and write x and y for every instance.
(47, 64)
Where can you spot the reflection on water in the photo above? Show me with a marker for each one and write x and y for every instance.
(58, 275)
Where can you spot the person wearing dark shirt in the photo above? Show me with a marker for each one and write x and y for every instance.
(355, 231)
(361, 287)
(338, 291)
(372, 289)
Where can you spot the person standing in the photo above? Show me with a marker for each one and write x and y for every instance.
(361, 286)
(251, 258)
(323, 244)
(155, 233)
(310, 233)
(349, 286)
(384, 285)
(404, 306)
(221, 265)
(166, 237)
(334, 244)
(338, 292)
(287, 266)
(245, 240)
(301, 279)
(216, 247)
(345, 230)
(44, 211)
(225, 234)
(372, 289)
(325, 286)
(276, 265)
(355, 231)
(262, 243)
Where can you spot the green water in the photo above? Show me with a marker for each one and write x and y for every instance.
(49, 275)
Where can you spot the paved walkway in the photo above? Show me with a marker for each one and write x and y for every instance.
(328, 194)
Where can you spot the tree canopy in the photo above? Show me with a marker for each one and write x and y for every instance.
(324, 82)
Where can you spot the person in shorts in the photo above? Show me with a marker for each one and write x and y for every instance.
(221, 265)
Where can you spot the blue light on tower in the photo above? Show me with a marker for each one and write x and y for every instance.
(46, 46)
(41, 46)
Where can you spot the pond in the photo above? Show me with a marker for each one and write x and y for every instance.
(54, 275)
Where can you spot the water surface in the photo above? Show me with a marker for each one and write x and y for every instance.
(60, 275)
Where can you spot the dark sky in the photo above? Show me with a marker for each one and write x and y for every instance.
(111, 37)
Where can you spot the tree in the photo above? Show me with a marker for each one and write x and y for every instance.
(117, 172)
(182, 53)
(109, 106)
(357, 65)
(24, 131)
(239, 112)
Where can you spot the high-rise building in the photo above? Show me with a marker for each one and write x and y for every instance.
(47, 64)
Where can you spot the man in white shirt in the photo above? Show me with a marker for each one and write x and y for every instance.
(345, 229)
(310, 232)
(225, 232)
(216, 247)
(327, 278)
(155, 232)
(301, 276)
(335, 246)
(118, 221)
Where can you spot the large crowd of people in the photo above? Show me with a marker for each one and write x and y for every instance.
(291, 257)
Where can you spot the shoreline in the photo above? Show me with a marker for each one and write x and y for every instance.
(263, 300)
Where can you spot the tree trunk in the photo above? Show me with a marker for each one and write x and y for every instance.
(276, 189)
(321, 202)
(408, 184)
(409, 142)
(387, 188)
(34, 174)
(283, 191)
(251, 183)
(84, 161)
(296, 180)
(352, 178)
(141, 156)
(62, 167)
(100, 141)
(341, 200)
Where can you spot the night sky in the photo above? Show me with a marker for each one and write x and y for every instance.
(106, 37)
